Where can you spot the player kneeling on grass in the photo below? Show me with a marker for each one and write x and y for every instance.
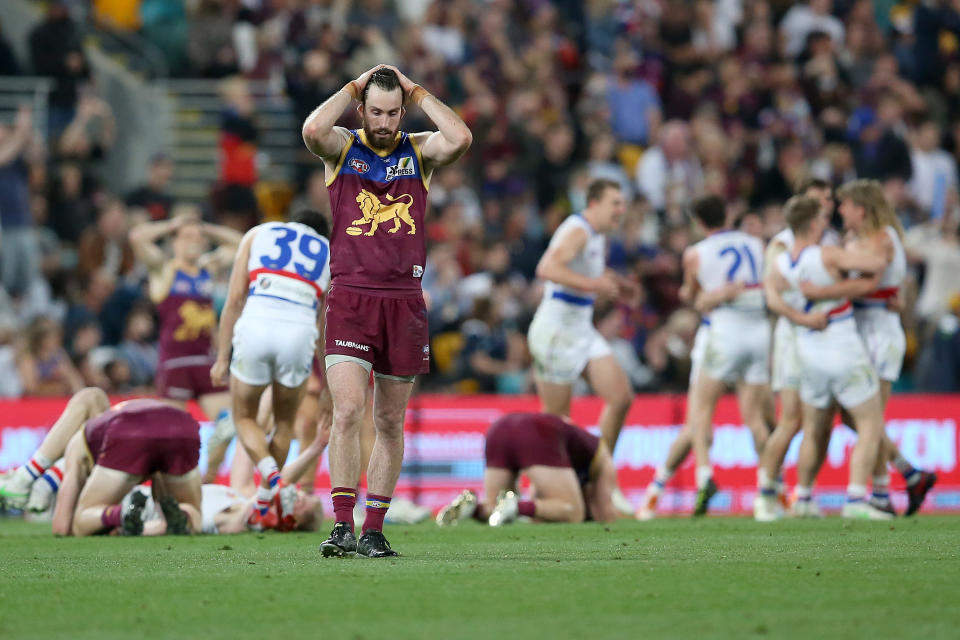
(571, 471)
(118, 449)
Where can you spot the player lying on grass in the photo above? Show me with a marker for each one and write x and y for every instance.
(120, 448)
(224, 510)
(571, 471)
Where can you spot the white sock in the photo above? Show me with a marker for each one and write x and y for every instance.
(856, 492)
(704, 475)
(269, 471)
(881, 487)
(660, 478)
(804, 493)
(264, 497)
(37, 465)
(764, 481)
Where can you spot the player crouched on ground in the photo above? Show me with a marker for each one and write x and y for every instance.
(120, 448)
(571, 471)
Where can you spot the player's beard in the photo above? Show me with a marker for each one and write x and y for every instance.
(379, 138)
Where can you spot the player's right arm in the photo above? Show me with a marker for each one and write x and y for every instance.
(846, 288)
(553, 265)
(774, 283)
(144, 237)
(236, 298)
(847, 260)
(691, 286)
(74, 478)
(321, 135)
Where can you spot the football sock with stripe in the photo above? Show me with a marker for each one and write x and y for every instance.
(376, 511)
(344, 500)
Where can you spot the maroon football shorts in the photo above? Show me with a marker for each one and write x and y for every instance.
(521, 440)
(388, 329)
(159, 440)
(186, 378)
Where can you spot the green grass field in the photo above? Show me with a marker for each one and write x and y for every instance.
(673, 578)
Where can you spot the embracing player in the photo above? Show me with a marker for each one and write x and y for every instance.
(563, 341)
(279, 278)
(834, 365)
(376, 320)
(721, 277)
(181, 287)
(874, 228)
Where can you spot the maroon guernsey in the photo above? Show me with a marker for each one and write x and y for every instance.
(379, 199)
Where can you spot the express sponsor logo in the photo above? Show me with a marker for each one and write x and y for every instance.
(359, 165)
(403, 168)
(350, 344)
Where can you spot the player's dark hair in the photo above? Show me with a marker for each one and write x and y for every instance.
(810, 183)
(313, 219)
(598, 187)
(800, 211)
(386, 79)
(711, 211)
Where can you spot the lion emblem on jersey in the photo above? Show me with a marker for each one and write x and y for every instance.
(195, 320)
(375, 212)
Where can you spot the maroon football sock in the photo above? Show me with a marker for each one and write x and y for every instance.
(526, 508)
(344, 500)
(112, 516)
(376, 510)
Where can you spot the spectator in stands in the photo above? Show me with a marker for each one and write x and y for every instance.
(936, 245)
(934, 179)
(634, 104)
(879, 150)
(489, 355)
(138, 348)
(105, 247)
(9, 65)
(669, 174)
(153, 198)
(210, 40)
(235, 202)
(45, 368)
(315, 197)
(70, 202)
(805, 18)
(939, 367)
(19, 262)
(10, 384)
(56, 51)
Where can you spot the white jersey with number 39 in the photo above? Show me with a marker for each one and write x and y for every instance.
(288, 261)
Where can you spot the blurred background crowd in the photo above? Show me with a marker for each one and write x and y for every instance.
(740, 98)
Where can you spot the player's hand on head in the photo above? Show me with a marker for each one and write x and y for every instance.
(364, 77)
(406, 83)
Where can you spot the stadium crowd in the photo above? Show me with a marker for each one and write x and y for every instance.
(738, 98)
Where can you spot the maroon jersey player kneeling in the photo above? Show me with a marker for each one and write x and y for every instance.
(571, 471)
(120, 448)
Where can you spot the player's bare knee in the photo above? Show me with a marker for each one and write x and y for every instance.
(347, 416)
(93, 399)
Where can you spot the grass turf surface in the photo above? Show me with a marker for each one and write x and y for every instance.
(713, 578)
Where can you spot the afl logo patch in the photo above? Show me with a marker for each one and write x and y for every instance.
(359, 165)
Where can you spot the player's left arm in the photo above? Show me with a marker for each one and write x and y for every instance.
(707, 301)
(236, 298)
(452, 138)
(74, 477)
